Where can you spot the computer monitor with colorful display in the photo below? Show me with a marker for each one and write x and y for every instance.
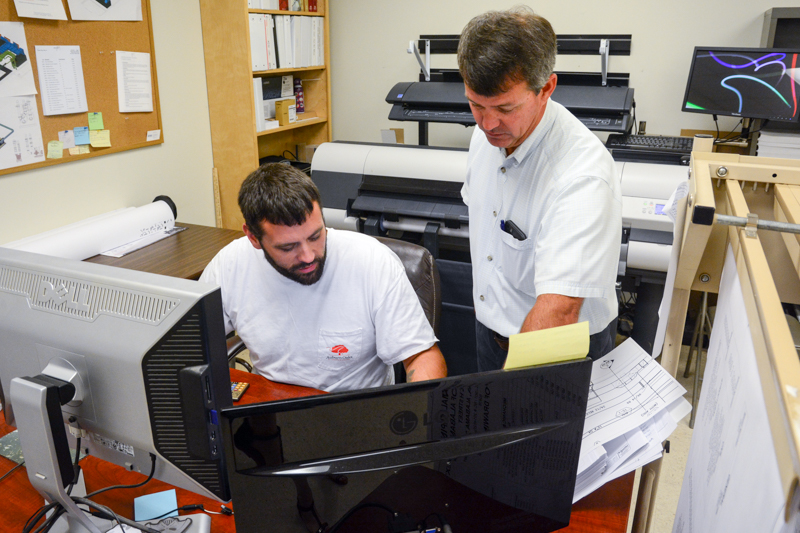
(758, 83)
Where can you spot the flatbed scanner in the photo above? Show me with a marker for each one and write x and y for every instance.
(599, 108)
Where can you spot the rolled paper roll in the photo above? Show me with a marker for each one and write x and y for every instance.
(97, 234)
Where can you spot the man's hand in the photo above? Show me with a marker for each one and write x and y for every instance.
(428, 364)
(551, 310)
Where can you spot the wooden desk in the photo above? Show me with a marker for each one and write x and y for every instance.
(604, 511)
(183, 255)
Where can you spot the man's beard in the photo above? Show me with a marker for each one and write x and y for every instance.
(293, 273)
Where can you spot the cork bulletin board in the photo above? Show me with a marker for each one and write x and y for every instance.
(99, 41)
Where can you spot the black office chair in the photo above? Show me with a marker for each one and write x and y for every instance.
(424, 277)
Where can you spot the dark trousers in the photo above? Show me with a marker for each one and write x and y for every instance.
(492, 357)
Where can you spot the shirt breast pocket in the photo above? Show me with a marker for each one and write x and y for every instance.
(339, 350)
(517, 261)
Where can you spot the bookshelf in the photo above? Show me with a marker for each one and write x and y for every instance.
(235, 144)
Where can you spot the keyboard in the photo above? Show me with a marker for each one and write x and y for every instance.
(653, 143)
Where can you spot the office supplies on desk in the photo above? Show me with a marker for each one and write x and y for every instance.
(155, 505)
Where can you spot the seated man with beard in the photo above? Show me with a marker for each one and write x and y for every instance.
(315, 306)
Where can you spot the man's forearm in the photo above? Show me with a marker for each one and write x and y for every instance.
(428, 364)
(551, 310)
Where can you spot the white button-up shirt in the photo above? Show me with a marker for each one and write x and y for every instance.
(560, 188)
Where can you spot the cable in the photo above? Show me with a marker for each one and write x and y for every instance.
(193, 507)
(11, 471)
(152, 471)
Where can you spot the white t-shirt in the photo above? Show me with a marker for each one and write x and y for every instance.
(560, 187)
(342, 333)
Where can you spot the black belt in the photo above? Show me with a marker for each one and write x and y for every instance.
(501, 341)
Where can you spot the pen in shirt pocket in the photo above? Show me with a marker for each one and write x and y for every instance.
(512, 229)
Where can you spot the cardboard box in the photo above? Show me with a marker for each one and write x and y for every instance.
(393, 136)
(286, 112)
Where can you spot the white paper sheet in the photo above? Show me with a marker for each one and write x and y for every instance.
(20, 132)
(134, 86)
(105, 9)
(61, 80)
(16, 73)
(628, 387)
(41, 9)
(731, 481)
(675, 209)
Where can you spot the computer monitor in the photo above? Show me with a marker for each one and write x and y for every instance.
(495, 451)
(145, 354)
(744, 82)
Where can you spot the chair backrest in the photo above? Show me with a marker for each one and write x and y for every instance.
(423, 275)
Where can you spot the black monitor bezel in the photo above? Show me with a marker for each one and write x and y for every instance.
(698, 49)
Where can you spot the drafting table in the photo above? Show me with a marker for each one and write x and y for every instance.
(755, 191)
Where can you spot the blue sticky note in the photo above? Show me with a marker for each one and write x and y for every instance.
(81, 135)
(155, 505)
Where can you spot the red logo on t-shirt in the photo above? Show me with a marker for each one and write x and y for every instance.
(340, 349)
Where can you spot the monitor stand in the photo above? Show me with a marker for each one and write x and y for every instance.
(37, 409)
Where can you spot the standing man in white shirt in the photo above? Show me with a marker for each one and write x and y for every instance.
(318, 307)
(545, 209)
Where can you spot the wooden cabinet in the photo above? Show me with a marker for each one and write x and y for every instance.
(235, 144)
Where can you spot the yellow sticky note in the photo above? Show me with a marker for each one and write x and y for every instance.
(95, 121)
(552, 345)
(100, 139)
(78, 150)
(55, 150)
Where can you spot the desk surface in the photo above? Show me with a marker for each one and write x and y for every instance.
(605, 510)
(183, 255)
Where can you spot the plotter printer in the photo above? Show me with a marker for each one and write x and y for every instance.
(380, 188)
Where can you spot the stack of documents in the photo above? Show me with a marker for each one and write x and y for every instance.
(779, 144)
(633, 406)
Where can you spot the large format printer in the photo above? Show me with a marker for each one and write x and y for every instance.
(413, 192)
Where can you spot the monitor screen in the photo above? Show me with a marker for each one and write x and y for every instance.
(146, 354)
(744, 82)
(494, 451)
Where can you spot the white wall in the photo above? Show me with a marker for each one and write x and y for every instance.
(369, 39)
(42, 199)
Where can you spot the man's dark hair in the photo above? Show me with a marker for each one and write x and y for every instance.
(279, 194)
(502, 47)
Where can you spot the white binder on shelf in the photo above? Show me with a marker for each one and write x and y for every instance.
(258, 43)
(269, 28)
(305, 42)
(258, 99)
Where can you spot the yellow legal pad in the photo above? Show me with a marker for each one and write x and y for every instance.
(552, 345)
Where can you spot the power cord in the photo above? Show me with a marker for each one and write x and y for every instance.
(114, 487)
(12, 471)
(195, 507)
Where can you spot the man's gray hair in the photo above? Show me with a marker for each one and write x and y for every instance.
(502, 47)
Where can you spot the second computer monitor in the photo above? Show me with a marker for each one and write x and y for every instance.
(744, 82)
